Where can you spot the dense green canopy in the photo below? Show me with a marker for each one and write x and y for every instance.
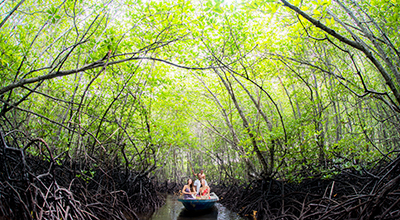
(241, 89)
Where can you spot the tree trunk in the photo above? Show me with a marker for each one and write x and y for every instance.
(246, 125)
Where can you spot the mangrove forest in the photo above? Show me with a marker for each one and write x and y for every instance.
(290, 107)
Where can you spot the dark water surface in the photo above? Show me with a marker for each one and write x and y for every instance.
(174, 210)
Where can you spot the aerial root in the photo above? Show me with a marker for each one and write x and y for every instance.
(351, 194)
(41, 188)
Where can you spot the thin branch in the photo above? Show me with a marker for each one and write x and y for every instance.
(11, 12)
(94, 65)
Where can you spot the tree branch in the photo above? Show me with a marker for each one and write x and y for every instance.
(11, 12)
(94, 65)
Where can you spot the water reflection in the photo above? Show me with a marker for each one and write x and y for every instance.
(205, 214)
(174, 210)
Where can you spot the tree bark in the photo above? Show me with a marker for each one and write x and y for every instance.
(246, 125)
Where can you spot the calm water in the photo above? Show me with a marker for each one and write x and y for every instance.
(174, 210)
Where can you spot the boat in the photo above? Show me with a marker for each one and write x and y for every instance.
(199, 204)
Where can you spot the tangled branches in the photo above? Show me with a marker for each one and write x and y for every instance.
(373, 194)
(167, 187)
(42, 187)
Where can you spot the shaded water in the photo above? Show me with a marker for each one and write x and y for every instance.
(174, 210)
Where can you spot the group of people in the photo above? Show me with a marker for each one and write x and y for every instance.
(198, 189)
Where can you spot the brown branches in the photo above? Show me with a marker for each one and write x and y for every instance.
(45, 187)
(348, 195)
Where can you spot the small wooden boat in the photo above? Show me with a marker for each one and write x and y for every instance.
(199, 204)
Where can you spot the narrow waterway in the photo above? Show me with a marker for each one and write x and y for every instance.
(174, 210)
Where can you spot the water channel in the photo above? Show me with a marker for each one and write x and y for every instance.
(174, 210)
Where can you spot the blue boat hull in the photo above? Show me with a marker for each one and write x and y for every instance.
(196, 204)
(199, 204)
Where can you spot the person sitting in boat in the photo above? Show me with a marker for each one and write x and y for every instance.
(188, 190)
(202, 174)
(197, 183)
(204, 190)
